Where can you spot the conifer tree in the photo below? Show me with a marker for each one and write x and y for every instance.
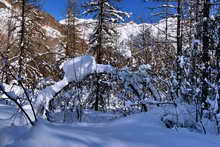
(106, 16)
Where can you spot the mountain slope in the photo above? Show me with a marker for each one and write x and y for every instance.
(128, 30)
(48, 35)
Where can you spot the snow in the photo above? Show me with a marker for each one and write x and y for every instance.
(86, 27)
(159, 28)
(100, 68)
(145, 67)
(75, 69)
(7, 4)
(141, 130)
(13, 90)
(9, 115)
(126, 30)
(79, 21)
(196, 42)
(51, 32)
(78, 68)
(4, 14)
(47, 94)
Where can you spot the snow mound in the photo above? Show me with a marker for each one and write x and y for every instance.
(78, 68)
(74, 70)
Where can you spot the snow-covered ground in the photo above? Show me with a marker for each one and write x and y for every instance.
(98, 129)
(140, 130)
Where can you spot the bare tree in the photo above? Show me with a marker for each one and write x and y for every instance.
(71, 39)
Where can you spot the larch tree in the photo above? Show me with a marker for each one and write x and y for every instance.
(28, 40)
(71, 39)
(25, 31)
(166, 13)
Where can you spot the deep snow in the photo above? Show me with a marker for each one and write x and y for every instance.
(141, 130)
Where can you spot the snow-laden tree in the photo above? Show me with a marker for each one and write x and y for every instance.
(106, 15)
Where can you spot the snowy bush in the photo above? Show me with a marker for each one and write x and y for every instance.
(121, 90)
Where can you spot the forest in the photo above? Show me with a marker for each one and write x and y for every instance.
(97, 79)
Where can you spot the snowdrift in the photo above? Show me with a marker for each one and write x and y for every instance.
(142, 130)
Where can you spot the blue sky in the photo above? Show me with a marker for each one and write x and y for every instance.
(138, 8)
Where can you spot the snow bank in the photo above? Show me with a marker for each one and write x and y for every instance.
(142, 130)
(74, 70)
(47, 94)
(78, 68)
(10, 115)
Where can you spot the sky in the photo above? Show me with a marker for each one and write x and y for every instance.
(139, 9)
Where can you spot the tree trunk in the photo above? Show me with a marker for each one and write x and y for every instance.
(179, 47)
(205, 54)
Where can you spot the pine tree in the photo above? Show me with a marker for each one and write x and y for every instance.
(106, 16)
